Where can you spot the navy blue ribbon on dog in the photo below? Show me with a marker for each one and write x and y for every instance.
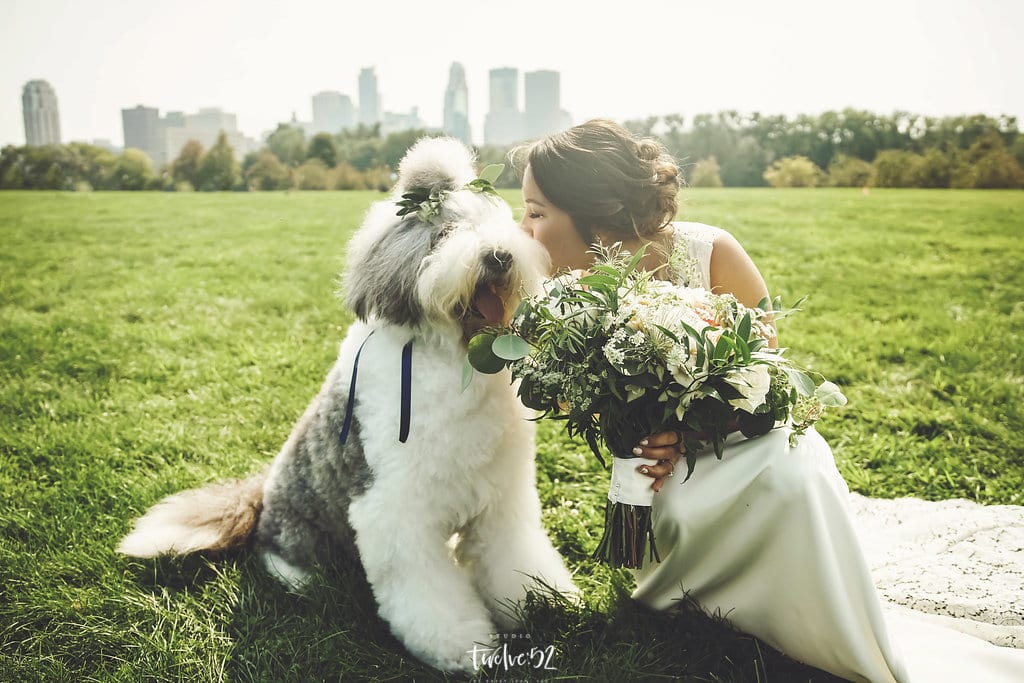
(350, 407)
(403, 428)
(406, 398)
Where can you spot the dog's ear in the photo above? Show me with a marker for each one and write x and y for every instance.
(435, 164)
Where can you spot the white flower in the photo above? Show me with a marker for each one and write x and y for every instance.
(753, 382)
(614, 354)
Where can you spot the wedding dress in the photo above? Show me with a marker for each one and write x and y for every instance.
(771, 538)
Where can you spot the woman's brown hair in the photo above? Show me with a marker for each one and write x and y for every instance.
(608, 180)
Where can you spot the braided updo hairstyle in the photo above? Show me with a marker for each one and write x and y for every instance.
(607, 179)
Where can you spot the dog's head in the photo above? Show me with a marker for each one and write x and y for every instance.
(460, 269)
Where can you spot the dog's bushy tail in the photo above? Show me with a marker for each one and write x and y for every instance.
(215, 517)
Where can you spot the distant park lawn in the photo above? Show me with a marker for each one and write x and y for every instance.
(152, 342)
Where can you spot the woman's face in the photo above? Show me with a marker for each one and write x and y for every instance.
(553, 228)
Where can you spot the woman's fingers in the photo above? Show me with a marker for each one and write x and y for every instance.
(663, 470)
(663, 447)
(658, 446)
(664, 467)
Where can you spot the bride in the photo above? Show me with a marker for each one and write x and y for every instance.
(794, 572)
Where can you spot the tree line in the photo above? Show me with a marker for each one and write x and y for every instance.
(847, 148)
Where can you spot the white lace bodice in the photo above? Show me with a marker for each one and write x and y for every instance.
(690, 262)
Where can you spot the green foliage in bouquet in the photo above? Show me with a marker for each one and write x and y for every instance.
(620, 355)
(558, 345)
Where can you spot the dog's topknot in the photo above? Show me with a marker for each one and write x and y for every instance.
(436, 164)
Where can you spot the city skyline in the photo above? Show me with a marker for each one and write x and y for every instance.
(163, 137)
(652, 58)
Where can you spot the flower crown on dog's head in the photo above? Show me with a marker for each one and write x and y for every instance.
(427, 202)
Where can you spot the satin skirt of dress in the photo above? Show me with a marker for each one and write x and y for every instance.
(767, 538)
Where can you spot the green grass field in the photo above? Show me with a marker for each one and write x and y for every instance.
(153, 342)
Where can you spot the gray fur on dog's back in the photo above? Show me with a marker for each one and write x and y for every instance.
(313, 481)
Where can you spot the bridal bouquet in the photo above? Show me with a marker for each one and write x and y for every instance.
(620, 355)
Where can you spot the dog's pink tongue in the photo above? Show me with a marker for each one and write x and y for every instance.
(489, 304)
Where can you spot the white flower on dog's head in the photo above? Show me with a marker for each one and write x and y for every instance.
(753, 381)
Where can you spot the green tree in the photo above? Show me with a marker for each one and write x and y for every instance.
(93, 166)
(133, 170)
(361, 147)
(11, 173)
(288, 144)
(706, 173)
(323, 147)
(268, 173)
(1017, 148)
(987, 164)
(345, 177)
(797, 171)
(311, 175)
(932, 169)
(394, 146)
(218, 170)
(185, 168)
(848, 171)
(895, 168)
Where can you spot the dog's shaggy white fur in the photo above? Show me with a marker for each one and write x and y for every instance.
(466, 472)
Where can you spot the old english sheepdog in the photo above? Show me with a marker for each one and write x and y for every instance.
(430, 487)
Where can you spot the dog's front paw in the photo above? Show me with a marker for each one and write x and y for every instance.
(461, 650)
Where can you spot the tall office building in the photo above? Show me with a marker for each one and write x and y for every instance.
(39, 109)
(504, 122)
(456, 105)
(332, 112)
(143, 130)
(543, 112)
(369, 98)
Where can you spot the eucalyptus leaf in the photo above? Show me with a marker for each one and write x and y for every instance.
(801, 381)
(492, 172)
(510, 347)
(829, 395)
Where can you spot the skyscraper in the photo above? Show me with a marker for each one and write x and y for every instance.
(369, 98)
(504, 122)
(332, 112)
(39, 108)
(144, 130)
(456, 105)
(543, 112)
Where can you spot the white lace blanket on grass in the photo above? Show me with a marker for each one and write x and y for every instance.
(957, 560)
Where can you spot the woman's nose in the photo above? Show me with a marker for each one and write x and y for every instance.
(526, 227)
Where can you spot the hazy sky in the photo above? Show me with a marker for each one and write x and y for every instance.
(262, 60)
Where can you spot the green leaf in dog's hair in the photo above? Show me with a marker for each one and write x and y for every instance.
(491, 172)
(510, 347)
(467, 373)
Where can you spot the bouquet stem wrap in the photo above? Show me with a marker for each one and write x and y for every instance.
(628, 526)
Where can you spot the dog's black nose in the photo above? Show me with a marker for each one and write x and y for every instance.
(499, 260)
